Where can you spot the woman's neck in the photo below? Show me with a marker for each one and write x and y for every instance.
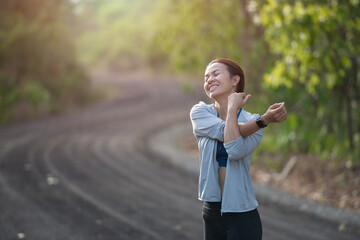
(221, 106)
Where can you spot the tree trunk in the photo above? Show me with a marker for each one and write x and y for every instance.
(349, 119)
(356, 90)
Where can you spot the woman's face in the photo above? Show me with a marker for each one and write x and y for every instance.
(217, 81)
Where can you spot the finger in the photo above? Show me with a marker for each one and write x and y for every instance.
(247, 98)
(280, 107)
(278, 116)
(281, 116)
(275, 105)
(280, 119)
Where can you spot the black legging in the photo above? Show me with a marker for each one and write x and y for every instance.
(230, 226)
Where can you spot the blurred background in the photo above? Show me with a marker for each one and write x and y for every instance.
(303, 52)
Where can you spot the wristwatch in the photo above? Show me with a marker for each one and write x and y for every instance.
(260, 122)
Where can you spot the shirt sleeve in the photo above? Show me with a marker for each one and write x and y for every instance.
(206, 124)
(240, 147)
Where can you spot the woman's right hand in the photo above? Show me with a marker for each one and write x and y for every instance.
(276, 113)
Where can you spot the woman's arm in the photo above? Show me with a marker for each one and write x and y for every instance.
(276, 113)
(236, 145)
(240, 147)
(235, 102)
(248, 128)
(206, 124)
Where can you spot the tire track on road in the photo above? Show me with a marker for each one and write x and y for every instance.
(138, 188)
(91, 199)
(68, 174)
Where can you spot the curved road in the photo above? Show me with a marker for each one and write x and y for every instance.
(90, 175)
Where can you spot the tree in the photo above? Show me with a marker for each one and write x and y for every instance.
(191, 33)
(37, 57)
(317, 48)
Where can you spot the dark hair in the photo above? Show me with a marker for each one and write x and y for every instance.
(234, 69)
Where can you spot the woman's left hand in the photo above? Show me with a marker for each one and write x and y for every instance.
(237, 100)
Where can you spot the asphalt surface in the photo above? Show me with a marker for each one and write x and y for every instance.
(91, 175)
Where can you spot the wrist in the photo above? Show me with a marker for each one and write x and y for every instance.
(231, 110)
(265, 119)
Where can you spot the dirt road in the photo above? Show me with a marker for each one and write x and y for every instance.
(89, 175)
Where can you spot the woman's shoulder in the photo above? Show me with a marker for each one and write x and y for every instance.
(201, 106)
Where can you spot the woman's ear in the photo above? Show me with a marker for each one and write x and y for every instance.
(235, 80)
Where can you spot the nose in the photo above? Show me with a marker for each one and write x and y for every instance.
(210, 79)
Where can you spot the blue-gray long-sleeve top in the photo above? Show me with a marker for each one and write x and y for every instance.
(238, 194)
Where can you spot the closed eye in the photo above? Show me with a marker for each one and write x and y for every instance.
(215, 73)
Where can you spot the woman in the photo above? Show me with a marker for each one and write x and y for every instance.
(227, 136)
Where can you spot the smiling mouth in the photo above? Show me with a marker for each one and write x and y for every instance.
(212, 88)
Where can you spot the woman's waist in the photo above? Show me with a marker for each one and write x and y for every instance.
(212, 205)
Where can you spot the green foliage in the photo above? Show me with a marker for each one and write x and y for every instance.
(9, 95)
(192, 33)
(35, 93)
(312, 42)
(316, 44)
(179, 35)
(114, 33)
(37, 57)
